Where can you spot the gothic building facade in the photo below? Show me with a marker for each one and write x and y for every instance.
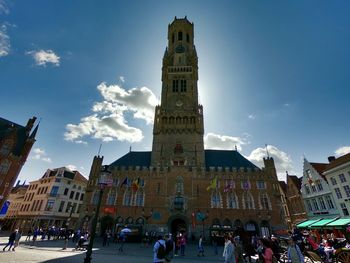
(16, 141)
(179, 185)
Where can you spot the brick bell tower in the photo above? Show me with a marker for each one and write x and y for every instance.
(178, 123)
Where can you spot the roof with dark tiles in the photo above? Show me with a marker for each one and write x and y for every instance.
(213, 158)
(338, 161)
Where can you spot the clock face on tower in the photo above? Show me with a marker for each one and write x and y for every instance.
(180, 49)
(179, 103)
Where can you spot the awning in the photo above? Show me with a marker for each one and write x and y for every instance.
(322, 223)
(341, 222)
(307, 223)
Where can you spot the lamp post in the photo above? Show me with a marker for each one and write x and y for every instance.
(71, 206)
(203, 217)
(102, 182)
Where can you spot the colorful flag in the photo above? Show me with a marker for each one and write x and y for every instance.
(125, 182)
(135, 184)
(213, 184)
(229, 186)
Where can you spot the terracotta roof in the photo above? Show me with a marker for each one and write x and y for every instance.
(339, 161)
(319, 167)
(79, 177)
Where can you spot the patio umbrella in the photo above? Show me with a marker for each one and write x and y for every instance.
(126, 230)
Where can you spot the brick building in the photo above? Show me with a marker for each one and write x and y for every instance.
(53, 200)
(179, 185)
(16, 141)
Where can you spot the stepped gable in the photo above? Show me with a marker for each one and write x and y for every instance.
(133, 159)
(227, 158)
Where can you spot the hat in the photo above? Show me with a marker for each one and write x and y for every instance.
(273, 237)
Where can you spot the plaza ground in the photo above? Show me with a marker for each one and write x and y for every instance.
(51, 252)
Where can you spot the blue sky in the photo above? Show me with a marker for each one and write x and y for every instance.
(270, 72)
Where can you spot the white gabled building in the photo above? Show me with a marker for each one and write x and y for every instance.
(337, 174)
(317, 195)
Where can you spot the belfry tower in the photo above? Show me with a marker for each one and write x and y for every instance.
(178, 122)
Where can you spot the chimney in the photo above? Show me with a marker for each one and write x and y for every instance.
(331, 159)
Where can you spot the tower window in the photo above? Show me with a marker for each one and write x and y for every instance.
(183, 85)
(175, 85)
(179, 36)
(188, 38)
(173, 38)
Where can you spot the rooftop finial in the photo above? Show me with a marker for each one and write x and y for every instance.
(130, 149)
(267, 151)
(236, 148)
(99, 149)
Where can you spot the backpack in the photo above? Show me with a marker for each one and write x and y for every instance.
(161, 251)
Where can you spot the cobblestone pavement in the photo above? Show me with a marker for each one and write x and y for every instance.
(51, 252)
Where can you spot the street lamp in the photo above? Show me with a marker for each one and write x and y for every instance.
(201, 216)
(102, 182)
(72, 208)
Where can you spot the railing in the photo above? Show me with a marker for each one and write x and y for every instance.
(180, 69)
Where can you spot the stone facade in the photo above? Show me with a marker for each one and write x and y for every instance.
(179, 185)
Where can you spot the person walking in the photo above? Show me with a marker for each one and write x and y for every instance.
(66, 235)
(215, 243)
(169, 248)
(182, 244)
(229, 251)
(35, 235)
(159, 249)
(238, 250)
(29, 234)
(11, 241)
(294, 253)
(268, 253)
(17, 238)
(200, 247)
(122, 239)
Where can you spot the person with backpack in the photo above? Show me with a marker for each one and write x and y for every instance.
(159, 250)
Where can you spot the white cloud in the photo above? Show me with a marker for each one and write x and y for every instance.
(223, 142)
(251, 116)
(4, 41)
(122, 79)
(39, 154)
(108, 122)
(3, 7)
(71, 167)
(342, 150)
(283, 161)
(43, 57)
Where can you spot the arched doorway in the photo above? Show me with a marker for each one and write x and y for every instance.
(177, 224)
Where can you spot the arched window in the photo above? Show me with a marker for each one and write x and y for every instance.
(139, 198)
(179, 186)
(6, 147)
(179, 36)
(111, 197)
(264, 202)
(94, 199)
(173, 38)
(216, 201)
(232, 201)
(127, 197)
(188, 38)
(248, 201)
(4, 166)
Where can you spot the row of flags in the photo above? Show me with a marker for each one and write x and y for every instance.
(214, 184)
(134, 184)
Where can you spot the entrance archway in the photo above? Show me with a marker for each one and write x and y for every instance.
(178, 223)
